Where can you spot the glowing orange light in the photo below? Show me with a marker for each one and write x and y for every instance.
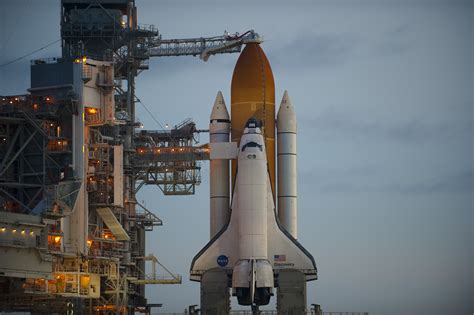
(92, 111)
(89, 243)
(23, 232)
(57, 239)
(105, 308)
(14, 231)
(35, 106)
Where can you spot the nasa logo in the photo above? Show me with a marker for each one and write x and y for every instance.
(222, 260)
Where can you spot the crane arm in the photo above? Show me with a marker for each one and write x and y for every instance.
(203, 47)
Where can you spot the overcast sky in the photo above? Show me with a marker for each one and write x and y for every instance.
(383, 92)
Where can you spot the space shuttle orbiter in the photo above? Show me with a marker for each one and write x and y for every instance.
(252, 246)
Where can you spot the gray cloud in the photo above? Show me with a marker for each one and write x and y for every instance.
(410, 130)
(395, 41)
(453, 183)
(364, 179)
(317, 51)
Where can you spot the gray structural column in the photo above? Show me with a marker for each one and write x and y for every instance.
(219, 129)
(215, 295)
(291, 293)
(287, 172)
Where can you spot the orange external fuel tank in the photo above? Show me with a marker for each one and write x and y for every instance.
(253, 95)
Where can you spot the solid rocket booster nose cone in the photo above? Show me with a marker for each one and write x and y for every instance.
(285, 101)
(286, 117)
(219, 110)
(253, 95)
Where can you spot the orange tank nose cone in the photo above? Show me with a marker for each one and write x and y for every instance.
(253, 77)
(253, 95)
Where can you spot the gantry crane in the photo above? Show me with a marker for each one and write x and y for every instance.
(203, 47)
(149, 43)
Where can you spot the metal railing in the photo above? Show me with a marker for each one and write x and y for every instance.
(280, 313)
(45, 60)
(147, 27)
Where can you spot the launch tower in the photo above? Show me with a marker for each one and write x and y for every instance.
(72, 233)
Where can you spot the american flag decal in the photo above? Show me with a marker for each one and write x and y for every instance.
(279, 258)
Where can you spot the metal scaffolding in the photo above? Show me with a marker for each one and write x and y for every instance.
(170, 159)
(34, 156)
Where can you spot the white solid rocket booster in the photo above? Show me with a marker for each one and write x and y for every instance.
(286, 160)
(219, 129)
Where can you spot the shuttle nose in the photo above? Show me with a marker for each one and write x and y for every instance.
(253, 123)
(253, 126)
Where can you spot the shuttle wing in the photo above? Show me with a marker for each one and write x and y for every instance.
(221, 251)
(285, 252)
